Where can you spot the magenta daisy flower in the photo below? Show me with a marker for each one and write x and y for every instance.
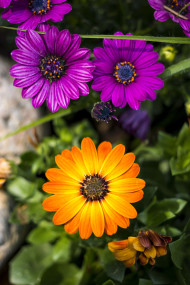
(51, 67)
(177, 10)
(125, 72)
(5, 3)
(30, 13)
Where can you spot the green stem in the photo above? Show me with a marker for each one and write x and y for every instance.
(171, 40)
(184, 7)
(43, 120)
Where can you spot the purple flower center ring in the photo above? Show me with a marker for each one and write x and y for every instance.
(52, 67)
(39, 6)
(124, 72)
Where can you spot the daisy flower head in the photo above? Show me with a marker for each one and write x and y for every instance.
(5, 3)
(126, 72)
(51, 67)
(177, 10)
(30, 13)
(93, 189)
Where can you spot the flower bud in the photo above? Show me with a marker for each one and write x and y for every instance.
(103, 111)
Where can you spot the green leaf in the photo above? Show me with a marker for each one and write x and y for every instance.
(167, 143)
(110, 282)
(21, 188)
(29, 264)
(176, 68)
(61, 250)
(114, 269)
(42, 234)
(161, 211)
(177, 249)
(43, 120)
(61, 274)
(145, 282)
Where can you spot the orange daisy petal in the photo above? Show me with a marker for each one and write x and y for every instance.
(69, 167)
(121, 206)
(90, 156)
(112, 159)
(103, 150)
(69, 210)
(55, 202)
(115, 216)
(67, 154)
(97, 219)
(125, 163)
(117, 245)
(131, 173)
(78, 159)
(132, 197)
(55, 174)
(127, 185)
(85, 229)
(110, 225)
(60, 188)
(72, 226)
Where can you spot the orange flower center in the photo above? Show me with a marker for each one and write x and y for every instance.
(94, 187)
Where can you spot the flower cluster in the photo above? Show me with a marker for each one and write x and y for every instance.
(177, 10)
(145, 248)
(93, 189)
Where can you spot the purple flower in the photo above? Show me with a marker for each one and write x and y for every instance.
(177, 10)
(136, 123)
(30, 13)
(103, 111)
(125, 72)
(51, 67)
(5, 3)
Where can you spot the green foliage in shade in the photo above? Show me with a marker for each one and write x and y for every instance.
(108, 282)
(145, 282)
(161, 211)
(177, 249)
(21, 188)
(27, 267)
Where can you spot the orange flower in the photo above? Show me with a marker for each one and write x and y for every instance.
(93, 189)
(145, 247)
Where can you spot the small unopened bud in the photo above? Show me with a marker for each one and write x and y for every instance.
(103, 111)
(168, 53)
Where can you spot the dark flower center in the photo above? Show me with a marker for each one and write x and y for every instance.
(178, 6)
(94, 187)
(52, 67)
(39, 6)
(124, 72)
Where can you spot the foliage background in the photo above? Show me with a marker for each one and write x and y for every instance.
(52, 257)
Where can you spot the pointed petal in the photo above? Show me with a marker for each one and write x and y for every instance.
(85, 229)
(89, 154)
(127, 185)
(97, 219)
(103, 150)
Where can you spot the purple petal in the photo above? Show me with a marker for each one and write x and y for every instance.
(156, 4)
(25, 82)
(35, 40)
(74, 46)
(22, 71)
(31, 91)
(161, 16)
(83, 88)
(111, 50)
(104, 66)
(25, 57)
(31, 23)
(154, 69)
(63, 42)
(69, 87)
(152, 82)
(51, 38)
(79, 74)
(82, 53)
(106, 94)
(102, 82)
(51, 100)
(4, 3)
(62, 98)
(38, 100)
(118, 94)
(133, 103)
(57, 12)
